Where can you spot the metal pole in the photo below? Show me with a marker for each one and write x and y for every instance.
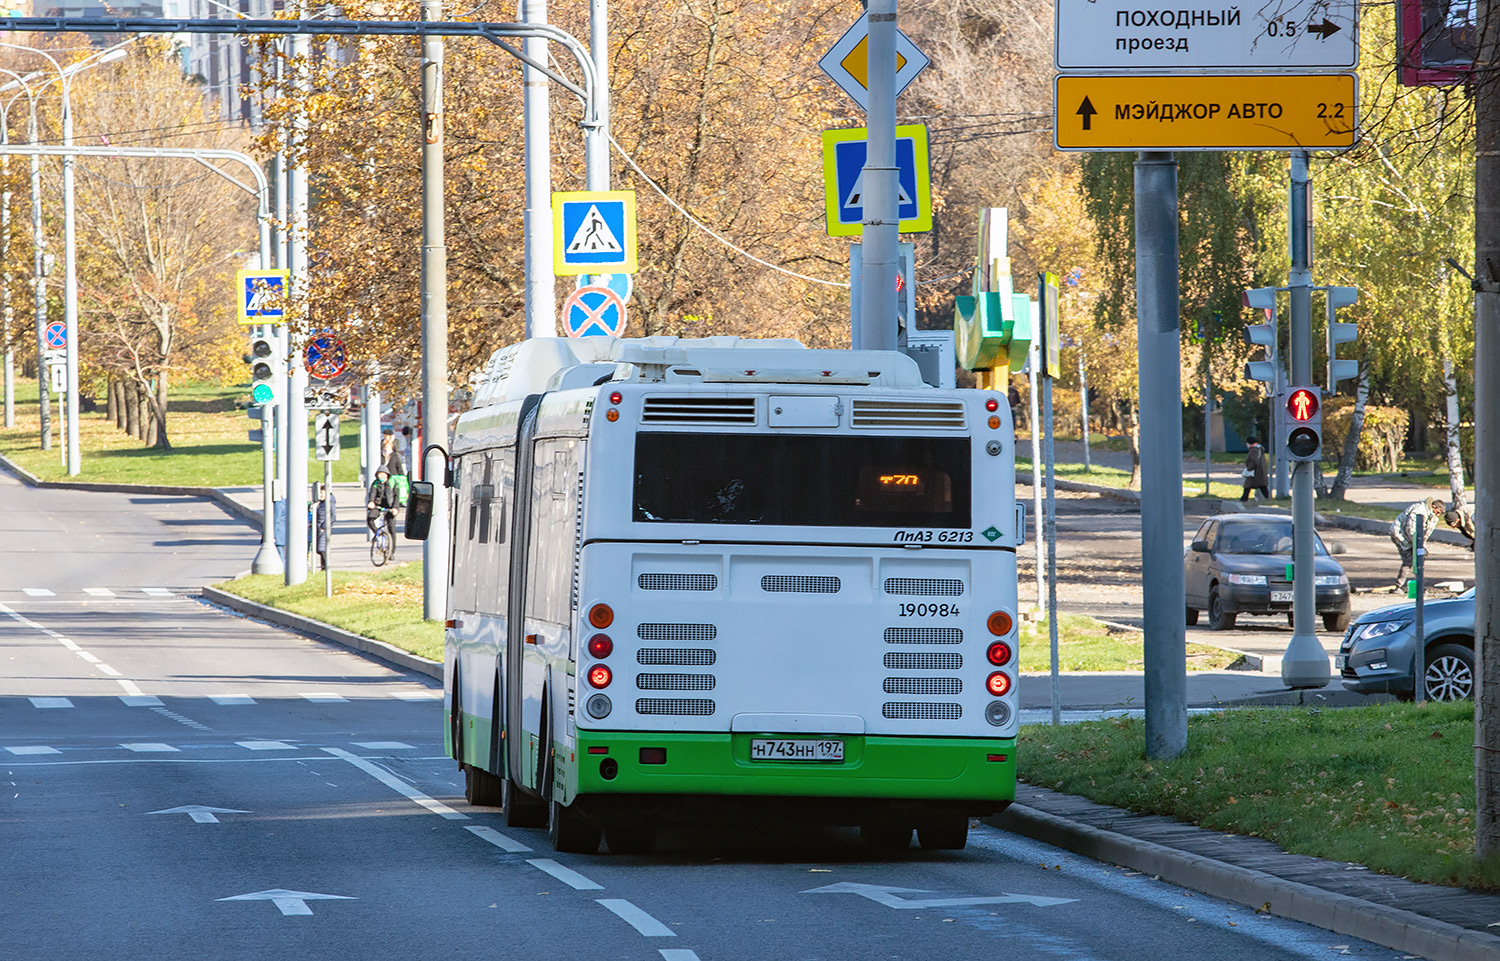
(1160, 352)
(10, 357)
(1034, 360)
(283, 259)
(1486, 439)
(39, 272)
(1050, 535)
(1083, 396)
(372, 435)
(70, 282)
(875, 328)
(296, 387)
(435, 316)
(1208, 430)
(327, 524)
(541, 294)
(267, 558)
(1305, 664)
(596, 132)
(1419, 649)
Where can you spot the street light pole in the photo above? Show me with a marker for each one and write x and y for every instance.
(434, 321)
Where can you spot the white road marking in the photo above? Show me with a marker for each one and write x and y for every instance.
(636, 918)
(266, 745)
(32, 749)
(87, 657)
(49, 702)
(497, 839)
(105, 668)
(384, 745)
(567, 876)
(37, 592)
(231, 699)
(134, 691)
(417, 695)
(289, 902)
(199, 813)
(678, 954)
(888, 895)
(140, 700)
(399, 786)
(157, 591)
(98, 592)
(143, 747)
(319, 698)
(68, 644)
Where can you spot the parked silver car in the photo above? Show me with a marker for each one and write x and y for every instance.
(1378, 652)
(1237, 564)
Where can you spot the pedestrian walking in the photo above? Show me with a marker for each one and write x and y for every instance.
(327, 506)
(1461, 519)
(1404, 533)
(1257, 476)
(390, 457)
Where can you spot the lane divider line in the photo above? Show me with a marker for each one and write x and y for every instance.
(644, 923)
(678, 954)
(567, 876)
(129, 686)
(499, 840)
(396, 784)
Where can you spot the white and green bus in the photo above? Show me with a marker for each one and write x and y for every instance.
(731, 578)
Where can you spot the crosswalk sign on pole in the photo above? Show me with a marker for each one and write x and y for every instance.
(262, 295)
(844, 154)
(593, 232)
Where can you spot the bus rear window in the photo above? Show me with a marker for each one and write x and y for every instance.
(792, 479)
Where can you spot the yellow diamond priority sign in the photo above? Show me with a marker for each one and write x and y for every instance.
(847, 62)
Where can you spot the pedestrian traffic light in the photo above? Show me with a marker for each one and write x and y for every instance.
(265, 369)
(1262, 335)
(1304, 424)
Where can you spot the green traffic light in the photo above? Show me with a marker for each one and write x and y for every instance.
(262, 394)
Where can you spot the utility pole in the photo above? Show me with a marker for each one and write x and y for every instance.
(1486, 93)
(435, 318)
(1159, 346)
(875, 329)
(39, 293)
(1305, 663)
(296, 381)
(541, 292)
(596, 139)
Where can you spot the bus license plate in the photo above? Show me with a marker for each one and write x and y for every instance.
(786, 749)
(1278, 597)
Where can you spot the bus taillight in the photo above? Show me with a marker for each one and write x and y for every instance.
(601, 616)
(600, 676)
(601, 646)
(992, 405)
(999, 623)
(998, 683)
(999, 653)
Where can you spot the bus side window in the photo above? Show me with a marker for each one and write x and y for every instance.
(497, 584)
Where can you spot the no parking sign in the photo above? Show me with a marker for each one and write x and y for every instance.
(594, 312)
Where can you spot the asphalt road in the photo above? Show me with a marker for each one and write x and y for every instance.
(183, 783)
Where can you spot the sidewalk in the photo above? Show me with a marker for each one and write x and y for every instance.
(349, 547)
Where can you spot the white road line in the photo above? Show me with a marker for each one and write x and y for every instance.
(636, 918)
(50, 702)
(132, 690)
(98, 592)
(157, 591)
(33, 749)
(109, 670)
(384, 745)
(68, 644)
(140, 700)
(37, 592)
(399, 786)
(231, 699)
(567, 876)
(150, 747)
(678, 954)
(417, 695)
(87, 657)
(497, 839)
(266, 745)
(320, 698)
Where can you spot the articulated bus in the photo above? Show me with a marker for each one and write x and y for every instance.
(731, 578)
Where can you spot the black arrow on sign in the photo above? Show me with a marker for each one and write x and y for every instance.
(1086, 111)
(1325, 29)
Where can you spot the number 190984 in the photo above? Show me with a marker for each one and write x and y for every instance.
(929, 610)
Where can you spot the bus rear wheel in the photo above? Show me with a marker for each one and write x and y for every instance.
(948, 833)
(569, 831)
(483, 788)
(521, 809)
(630, 837)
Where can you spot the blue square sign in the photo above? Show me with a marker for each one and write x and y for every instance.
(593, 232)
(262, 295)
(844, 153)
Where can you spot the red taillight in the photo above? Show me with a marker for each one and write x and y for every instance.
(601, 646)
(998, 683)
(600, 676)
(601, 616)
(999, 653)
(598, 750)
(988, 757)
(999, 623)
(992, 404)
(615, 397)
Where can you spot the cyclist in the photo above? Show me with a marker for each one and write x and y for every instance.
(380, 505)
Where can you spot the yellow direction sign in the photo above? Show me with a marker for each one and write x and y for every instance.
(1217, 112)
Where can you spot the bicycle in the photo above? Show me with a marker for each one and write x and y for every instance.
(383, 544)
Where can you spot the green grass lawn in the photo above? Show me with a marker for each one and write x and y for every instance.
(1390, 786)
(1084, 644)
(385, 605)
(209, 436)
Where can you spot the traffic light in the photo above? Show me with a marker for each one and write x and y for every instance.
(1262, 335)
(1340, 334)
(266, 372)
(1304, 424)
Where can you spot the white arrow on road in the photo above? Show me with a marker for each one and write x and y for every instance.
(886, 895)
(200, 814)
(290, 902)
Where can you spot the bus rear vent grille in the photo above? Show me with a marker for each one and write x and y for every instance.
(911, 414)
(924, 635)
(675, 656)
(923, 685)
(675, 682)
(924, 586)
(676, 632)
(933, 711)
(924, 662)
(698, 410)
(801, 583)
(678, 582)
(691, 706)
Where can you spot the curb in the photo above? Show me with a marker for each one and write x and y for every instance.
(228, 503)
(326, 632)
(1393, 928)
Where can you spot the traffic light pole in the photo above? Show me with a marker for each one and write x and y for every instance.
(267, 558)
(1305, 663)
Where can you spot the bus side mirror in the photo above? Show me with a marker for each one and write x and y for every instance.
(419, 511)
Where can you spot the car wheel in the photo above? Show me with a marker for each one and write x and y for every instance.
(1218, 618)
(1336, 621)
(1449, 673)
(1192, 616)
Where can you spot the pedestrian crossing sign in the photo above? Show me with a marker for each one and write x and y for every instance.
(843, 180)
(262, 295)
(593, 232)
